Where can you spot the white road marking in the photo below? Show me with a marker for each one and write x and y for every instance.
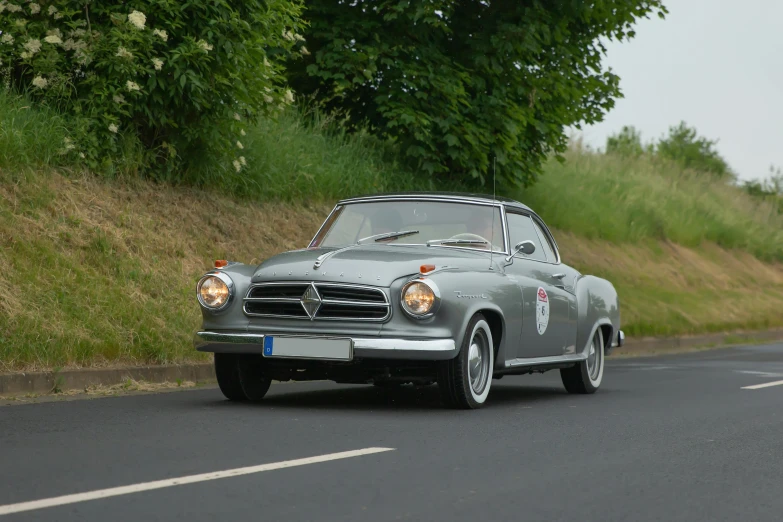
(762, 374)
(190, 479)
(765, 385)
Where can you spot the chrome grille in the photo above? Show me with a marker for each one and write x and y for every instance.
(330, 301)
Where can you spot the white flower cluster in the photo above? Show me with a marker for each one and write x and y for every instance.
(119, 99)
(32, 45)
(161, 34)
(293, 37)
(74, 45)
(137, 19)
(53, 39)
(40, 82)
(289, 96)
(113, 128)
(132, 86)
(35, 8)
(239, 163)
(157, 63)
(124, 53)
(11, 8)
(205, 46)
(7, 39)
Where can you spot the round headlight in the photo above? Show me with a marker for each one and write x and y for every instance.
(419, 298)
(213, 292)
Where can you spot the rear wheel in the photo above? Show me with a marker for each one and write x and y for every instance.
(227, 373)
(586, 376)
(252, 376)
(465, 381)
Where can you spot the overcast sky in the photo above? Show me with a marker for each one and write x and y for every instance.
(718, 65)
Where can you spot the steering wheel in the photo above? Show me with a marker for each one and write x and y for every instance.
(475, 237)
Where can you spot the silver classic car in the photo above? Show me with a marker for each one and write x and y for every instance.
(422, 288)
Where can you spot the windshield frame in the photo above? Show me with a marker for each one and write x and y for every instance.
(338, 208)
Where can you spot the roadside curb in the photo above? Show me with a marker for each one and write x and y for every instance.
(47, 382)
(641, 345)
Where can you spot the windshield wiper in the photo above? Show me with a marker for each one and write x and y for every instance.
(388, 235)
(456, 242)
(378, 237)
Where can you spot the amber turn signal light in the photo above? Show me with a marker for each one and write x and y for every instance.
(426, 268)
(220, 263)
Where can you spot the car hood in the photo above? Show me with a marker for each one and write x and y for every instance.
(376, 265)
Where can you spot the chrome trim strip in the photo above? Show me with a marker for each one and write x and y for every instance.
(325, 221)
(229, 338)
(537, 361)
(275, 299)
(345, 302)
(385, 344)
(428, 345)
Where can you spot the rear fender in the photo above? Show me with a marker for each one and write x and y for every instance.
(597, 306)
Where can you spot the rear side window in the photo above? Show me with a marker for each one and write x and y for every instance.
(521, 228)
(550, 252)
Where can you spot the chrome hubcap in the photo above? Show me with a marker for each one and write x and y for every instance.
(593, 360)
(478, 362)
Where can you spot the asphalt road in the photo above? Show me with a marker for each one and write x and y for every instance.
(666, 438)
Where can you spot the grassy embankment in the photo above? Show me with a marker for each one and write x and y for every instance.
(100, 272)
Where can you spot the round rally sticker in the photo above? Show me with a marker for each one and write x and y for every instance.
(542, 311)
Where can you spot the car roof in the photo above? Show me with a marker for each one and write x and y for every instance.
(447, 196)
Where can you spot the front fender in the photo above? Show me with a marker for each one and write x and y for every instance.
(597, 306)
(463, 294)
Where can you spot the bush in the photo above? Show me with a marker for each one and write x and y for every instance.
(182, 79)
(684, 146)
(627, 142)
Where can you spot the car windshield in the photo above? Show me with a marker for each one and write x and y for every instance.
(447, 224)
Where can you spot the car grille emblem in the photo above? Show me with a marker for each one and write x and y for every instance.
(311, 301)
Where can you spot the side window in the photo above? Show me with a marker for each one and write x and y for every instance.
(521, 228)
(550, 252)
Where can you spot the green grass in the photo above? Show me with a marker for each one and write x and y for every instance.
(627, 200)
(102, 271)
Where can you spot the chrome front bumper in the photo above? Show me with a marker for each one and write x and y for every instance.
(367, 348)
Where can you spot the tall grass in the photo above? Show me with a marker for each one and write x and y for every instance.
(633, 199)
(29, 136)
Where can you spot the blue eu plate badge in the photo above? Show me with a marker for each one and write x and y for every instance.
(268, 343)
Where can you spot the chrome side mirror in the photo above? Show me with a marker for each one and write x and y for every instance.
(524, 247)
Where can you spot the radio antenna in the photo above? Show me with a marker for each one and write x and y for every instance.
(491, 248)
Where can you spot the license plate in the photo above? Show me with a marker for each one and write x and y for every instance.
(330, 348)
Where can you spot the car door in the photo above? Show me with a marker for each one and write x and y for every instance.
(547, 321)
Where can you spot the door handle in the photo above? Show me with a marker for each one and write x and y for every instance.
(558, 276)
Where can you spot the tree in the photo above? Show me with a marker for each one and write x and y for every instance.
(627, 142)
(684, 146)
(456, 82)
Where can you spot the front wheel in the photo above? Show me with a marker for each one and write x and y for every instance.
(464, 381)
(586, 376)
(253, 376)
(227, 373)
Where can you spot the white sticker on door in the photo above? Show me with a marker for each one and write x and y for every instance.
(542, 311)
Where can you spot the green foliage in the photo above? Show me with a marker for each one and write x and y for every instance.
(627, 142)
(456, 83)
(635, 199)
(770, 189)
(683, 145)
(180, 79)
